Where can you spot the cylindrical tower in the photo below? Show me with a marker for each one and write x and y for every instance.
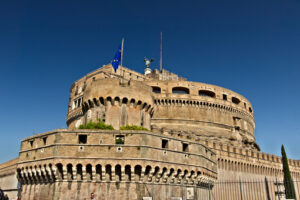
(204, 111)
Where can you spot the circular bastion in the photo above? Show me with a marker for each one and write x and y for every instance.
(177, 107)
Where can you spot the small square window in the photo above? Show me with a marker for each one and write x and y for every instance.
(164, 144)
(82, 139)
(185, 147)
(225, 97)
(120, 139)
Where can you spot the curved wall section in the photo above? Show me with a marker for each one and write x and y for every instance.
(116, 103)
(203, 111)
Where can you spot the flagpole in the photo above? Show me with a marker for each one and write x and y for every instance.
(122, 51)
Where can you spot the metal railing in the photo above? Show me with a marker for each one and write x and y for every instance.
(253, 190)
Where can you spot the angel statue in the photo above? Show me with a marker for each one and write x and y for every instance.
(148, 62)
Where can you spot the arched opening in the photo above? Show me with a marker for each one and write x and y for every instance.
(250, 109)
(90, 103)
(178, 173)
(171, 172)
(124, 101)
(108, 172)
(108, 101)
(147, 172)
(180, 90)
(101, 100)
(185, 174)
(89, 175)
(79, 172)
(95, 102)
(163, 171)
(132, 101)
(59, 171)
(99, 172)
(116, 101)
(137, 172)
(118, 173)
(127, 173)
(235, 100)
(70, 172)
(156, 89)
(206, 93)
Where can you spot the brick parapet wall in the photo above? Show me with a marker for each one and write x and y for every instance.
(253, 162)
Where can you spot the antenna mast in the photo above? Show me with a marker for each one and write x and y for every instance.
(160, 63)
(122, 48)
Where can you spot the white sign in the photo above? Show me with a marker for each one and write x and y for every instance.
(176, 198)
(147, 198)
(190, 193)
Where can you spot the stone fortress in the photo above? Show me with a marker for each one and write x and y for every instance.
(196, 134)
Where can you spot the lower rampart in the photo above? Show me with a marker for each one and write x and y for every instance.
(8, 178)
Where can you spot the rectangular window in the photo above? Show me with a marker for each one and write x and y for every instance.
(31, 143)
(82, 139)
(225, 97)
(45, 140)
(185, 147)
(164, 144)
(77, 103)
(120, 139)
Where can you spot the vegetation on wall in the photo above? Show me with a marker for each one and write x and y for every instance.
(132, 127)
(288, 181)
(96, 125)
(119, 141)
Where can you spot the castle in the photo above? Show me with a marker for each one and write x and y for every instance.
(195, 135)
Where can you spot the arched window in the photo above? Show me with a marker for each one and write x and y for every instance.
(250, 109)
(180, 90)
(235, 100)
(156, 89)
(206, 93)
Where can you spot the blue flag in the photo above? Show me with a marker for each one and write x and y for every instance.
(115, 62)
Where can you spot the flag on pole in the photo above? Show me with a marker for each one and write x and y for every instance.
(117, 59)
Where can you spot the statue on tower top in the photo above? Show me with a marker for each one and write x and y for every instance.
(147, 64)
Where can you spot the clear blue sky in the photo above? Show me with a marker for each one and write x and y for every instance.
(251, 47)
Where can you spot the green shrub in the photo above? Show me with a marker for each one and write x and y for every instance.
(96, 125)
(132, 127)
(119, 141)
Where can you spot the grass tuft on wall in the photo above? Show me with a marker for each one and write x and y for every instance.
(96, 125)
(132, 127)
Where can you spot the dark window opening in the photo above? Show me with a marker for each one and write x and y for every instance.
(82, 139)
(185, 147)
(120, 139)
(235, 100)
(164, 144)
(156, 89)
(31, 143)
(180, 90)
(250, 109)
(206, 93)
(245, 105)
(225, 97)
(45, 140)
